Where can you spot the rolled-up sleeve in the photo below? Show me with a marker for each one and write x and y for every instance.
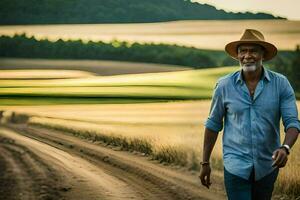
(288, 107)
(214, 121)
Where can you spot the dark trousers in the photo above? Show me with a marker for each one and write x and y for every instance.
(240, 189)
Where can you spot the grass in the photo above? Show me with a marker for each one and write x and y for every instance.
(191, 84)
(170, 132)
(99, 67)
(27, 101)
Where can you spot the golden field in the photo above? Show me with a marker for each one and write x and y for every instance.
(171, 132)
(210, 34)
(43, 74)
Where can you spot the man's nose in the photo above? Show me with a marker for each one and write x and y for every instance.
(248, 55)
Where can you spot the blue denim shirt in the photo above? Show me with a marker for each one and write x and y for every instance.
(252, 126)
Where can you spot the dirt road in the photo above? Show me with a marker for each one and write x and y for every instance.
(37, 163)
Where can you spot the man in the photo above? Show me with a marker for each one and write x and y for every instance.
(251, 101)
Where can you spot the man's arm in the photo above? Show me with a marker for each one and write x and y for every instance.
(289, 112)
(213, 126)
(280, 156)
(291, 137)
(210, 138)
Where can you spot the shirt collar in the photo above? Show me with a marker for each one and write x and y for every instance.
(264, 76)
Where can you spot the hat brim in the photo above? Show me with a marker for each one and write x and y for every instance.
(270, 49)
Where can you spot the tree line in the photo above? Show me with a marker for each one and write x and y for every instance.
(29, 47)
(22, 46)
(290, 67)
(112, 11)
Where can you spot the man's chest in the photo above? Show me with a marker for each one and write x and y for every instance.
(265, 100)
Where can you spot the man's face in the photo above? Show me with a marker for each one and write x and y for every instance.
(250, 56)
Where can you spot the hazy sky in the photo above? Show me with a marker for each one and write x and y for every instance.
(285, 8)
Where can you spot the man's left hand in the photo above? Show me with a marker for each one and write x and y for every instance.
(280, 158)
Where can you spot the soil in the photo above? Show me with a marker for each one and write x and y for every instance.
(38, 163)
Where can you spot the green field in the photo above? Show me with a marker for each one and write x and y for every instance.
(96, 67)
(180, 85)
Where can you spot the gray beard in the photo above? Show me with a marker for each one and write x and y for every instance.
(248, 68)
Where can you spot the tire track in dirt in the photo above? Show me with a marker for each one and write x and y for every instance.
(24, 175)
(85, 180)
(146, 180)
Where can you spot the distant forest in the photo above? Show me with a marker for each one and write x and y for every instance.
(24, 47)
(112, 11)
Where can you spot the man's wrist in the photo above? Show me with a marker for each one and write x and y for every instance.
(204, 163)
(286, 148)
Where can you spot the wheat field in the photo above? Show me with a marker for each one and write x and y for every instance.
(29, 74)
(207, 34)
(169, 132)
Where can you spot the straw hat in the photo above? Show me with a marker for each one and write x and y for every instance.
(251, 36)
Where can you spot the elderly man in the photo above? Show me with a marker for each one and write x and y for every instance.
(251, 101)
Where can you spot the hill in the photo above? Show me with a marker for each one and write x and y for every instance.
(112, 11)
(98, 67)
(128, 88)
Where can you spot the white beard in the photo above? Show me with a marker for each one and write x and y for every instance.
(248, 68)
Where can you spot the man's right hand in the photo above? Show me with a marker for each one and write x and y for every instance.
(205, 175)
